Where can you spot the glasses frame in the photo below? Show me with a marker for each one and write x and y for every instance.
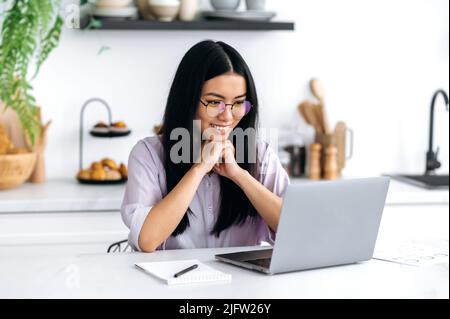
(205, 104)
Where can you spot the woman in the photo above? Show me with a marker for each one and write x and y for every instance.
(206, 199)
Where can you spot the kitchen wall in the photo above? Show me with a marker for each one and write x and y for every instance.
(380, 62)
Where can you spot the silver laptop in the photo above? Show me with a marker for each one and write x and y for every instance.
(324, 223)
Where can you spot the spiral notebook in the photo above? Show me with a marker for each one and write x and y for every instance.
(165, 271)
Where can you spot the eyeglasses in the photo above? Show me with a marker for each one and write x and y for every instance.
(238, 108)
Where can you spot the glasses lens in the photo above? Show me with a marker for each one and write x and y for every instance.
(241, 108)
(215, 108)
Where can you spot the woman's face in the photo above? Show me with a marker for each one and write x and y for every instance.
(229, 88)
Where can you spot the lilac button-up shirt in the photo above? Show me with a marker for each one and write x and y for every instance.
(146, 186)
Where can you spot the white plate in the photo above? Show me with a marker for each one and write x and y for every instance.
(126, 12)
(253, 15)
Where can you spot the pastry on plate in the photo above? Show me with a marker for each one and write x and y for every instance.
(113, 176)
(123, 170)
(84, 174)
(119, 126)
(100, 127)
(110, 164)
(96, 166)
(98, 174)
(105, 170)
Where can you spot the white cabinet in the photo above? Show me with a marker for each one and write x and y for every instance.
(59, 232)
(64, 217)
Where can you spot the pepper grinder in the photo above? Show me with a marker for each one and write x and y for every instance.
(314, 161)
(331, 169)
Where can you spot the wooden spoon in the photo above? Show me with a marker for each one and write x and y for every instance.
(308, 111)
(318, 91)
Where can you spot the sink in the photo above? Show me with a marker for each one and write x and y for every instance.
(425, 181)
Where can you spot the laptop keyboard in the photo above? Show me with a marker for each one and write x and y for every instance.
(263, 262)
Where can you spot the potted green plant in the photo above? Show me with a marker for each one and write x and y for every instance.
(30, 30)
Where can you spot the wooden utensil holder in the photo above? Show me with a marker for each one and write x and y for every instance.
(340, 142)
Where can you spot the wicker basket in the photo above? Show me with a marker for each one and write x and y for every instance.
(15, 169)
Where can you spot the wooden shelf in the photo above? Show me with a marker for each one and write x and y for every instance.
(205, 25)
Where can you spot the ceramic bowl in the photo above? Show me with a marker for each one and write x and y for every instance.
(225, 4)
(164, 10)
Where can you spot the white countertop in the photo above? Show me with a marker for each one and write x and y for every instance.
(61, 195)
(405, 194)
(64, 195)
(114, 276)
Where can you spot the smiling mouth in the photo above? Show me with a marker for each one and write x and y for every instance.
(222, 129)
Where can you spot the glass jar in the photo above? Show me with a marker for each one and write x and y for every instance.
(285, 160)
(291, 142)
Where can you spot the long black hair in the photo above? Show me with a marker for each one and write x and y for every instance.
(204, 61)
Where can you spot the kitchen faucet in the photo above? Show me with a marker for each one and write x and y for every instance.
(429, 179)
(432, 161)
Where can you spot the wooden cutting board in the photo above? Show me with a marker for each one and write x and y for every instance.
(340, 131)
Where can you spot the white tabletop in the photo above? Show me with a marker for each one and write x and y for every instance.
(114, 276)
(66, 195)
